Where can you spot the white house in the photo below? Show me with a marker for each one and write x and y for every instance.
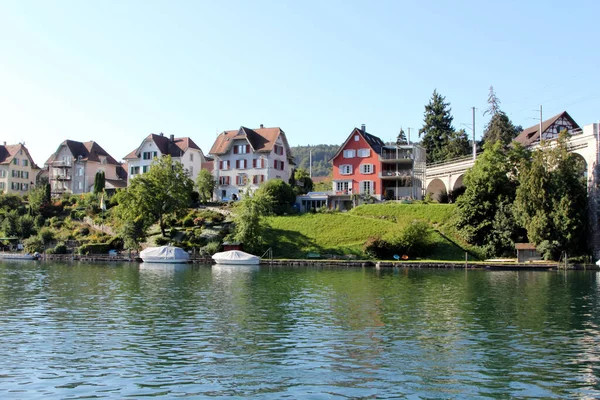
(17, 169)
(183, 150)
(245, 158)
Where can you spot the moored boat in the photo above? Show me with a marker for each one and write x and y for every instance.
(19, 256)
(164, 254)
(235, 257)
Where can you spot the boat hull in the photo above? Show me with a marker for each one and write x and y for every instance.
(164, 260)
(235, 257)
(164, 254)
(18, 257)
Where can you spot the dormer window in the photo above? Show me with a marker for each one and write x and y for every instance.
(241, 149)
(356, 138)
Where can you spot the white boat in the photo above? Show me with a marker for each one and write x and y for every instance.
(19, 256)
(235, 257)
(164, 254)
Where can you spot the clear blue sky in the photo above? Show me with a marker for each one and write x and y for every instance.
(115, 71)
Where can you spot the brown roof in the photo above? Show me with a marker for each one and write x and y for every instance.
(532, 134)
(209, 165)
(175, 147)
(372, 140)
(525, 246)
(87, 151)
(8, 152)
(261, 140)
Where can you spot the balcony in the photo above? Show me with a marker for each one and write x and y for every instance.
(395, 175)
(396, 156)
(65, 177)
(61, 164)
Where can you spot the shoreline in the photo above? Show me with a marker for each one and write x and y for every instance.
(352, 263)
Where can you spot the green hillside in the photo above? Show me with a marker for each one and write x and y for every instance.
(321, 154)
(346, 233)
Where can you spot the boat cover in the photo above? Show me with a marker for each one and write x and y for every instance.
(164, 253)
(234, 255)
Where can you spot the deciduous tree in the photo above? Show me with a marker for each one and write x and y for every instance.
(206, 183)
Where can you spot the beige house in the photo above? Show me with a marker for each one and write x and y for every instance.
(17, 169)
(73, 167)
(182, 149)
(245, 158)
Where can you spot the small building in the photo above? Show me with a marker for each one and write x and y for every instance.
(527, 252)
(312, 201)
(18, 172)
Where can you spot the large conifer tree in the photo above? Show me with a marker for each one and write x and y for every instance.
(439, 138)
(500, 126)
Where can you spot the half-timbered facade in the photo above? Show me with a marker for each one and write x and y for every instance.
(550, 129)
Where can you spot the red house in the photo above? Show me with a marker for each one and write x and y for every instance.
(364, 165)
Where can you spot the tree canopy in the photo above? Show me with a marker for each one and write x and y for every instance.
(281, 193)
(401, 138)
(248, 219)
(206, 183)
(164, 190)
(439, 138)
(321, 154)
(500, 127)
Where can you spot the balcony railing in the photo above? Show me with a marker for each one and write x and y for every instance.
(62, 177)
(394, 174)
(61, 164)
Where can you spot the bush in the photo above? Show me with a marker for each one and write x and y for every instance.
(94, 248)
(60, 248)
(34, 245)
(415, 239)
(188, 221)
(549, 250)
(211, 248)
(376, 247)
(161, 241)
(77, 214)
(47, 235)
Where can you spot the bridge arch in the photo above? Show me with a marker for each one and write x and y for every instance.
(436, 187)
(458, 183)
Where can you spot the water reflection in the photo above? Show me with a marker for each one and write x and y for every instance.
(74, 330)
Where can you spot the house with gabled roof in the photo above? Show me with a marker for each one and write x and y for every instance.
(74, 165)
(550, 129)
(181, 149)
(245, 158)
(366, 166)
(18, 172)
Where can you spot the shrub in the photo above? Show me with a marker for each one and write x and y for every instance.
(115, 243)
(46, 234)
(94, 248)
(34, 245)
(415, 239)
(161, 241)
(77, 214)
(376, 247)
(549, 250)
(60, 248)
(211, 248)
(188, 221)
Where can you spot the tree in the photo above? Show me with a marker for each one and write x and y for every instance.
(438, 133)
(99, 182)
(488, 192)
(303, 182)
(401, 139)
(206, 183)
(162, 191)
(551, 201)
(133, 233)
(248, 219)
(282, 194)
(37, 199)
(500, 128)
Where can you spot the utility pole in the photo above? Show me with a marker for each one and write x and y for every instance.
(540, 122)
(474, 143)
(310, 163)
(408, 138)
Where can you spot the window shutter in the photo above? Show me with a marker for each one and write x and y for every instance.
(254, 163)
(247, 148)
(282, 165)
(262, 178)
(235, 149)
(228, 180)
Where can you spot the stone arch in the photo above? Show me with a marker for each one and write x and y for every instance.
(458, 183)
(436, 187)
(584, 163)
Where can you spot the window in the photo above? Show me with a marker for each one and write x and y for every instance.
(79, 185)
(135, 170)
(280, 165)
(14, 186)
(80, 171)
(258, 163)
(349, 153)
(144, 169)
(366, 168)
(149, 155)
(2, 185)
(241, 149)
(191, 156)
(241, 164)
(25, 163)
(2, 174)
(342, 186)
(346, 169)
(364, 153)
(256, 179)
(241, 180)
(15, 161)
(367, 187)
(191, 171)
(356, 138)
(278, 149)
(24, 187)
(224, 165)
(25, 174)
(14, 173)
(224, 180)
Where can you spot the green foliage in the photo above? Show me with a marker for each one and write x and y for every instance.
(156, 195)
(248, 218)
(99, 182)
(37, 199)
(94, 248)
(401, 138)
(161, 241)
(206, 184)
(487, 187)
(303, 182)
(211, 248)
(133, 233)
(281, 194)
(551, 201)
(60, 248)
(500, 128)
(46, 235)
(413, 241)
(321, 154)
(439, 138)
(34, 245)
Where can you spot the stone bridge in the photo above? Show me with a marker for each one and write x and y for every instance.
(448, 176)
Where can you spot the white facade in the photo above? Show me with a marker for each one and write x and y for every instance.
(18, 175)
(241, 168)
(140, 160)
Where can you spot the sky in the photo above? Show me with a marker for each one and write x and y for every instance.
(115, 71)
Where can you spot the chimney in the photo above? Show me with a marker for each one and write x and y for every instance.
(363, 128)
(161, 134)
(172, 138)
(5, 143)
(261, 126)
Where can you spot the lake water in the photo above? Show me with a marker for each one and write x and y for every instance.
(123, 330)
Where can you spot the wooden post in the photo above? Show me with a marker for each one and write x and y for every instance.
(466, 260)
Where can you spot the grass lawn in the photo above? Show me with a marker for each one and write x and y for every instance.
(346, 233)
